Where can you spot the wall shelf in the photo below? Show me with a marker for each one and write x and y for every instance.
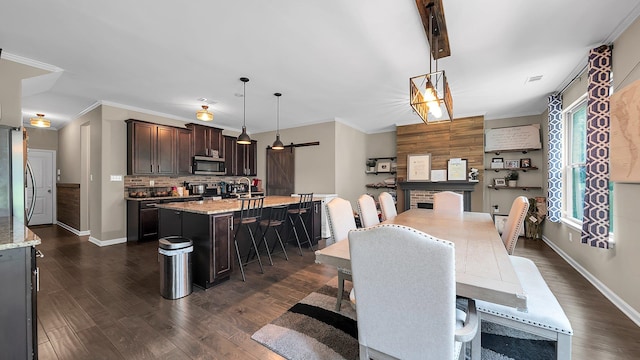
(517, 169)
(523, 188)
(524, 151)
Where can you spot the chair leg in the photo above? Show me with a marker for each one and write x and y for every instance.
(282, 244)
(340, 290)
(304, 227)
(295, 232)
(266, 245)
(255, 247)
(239, 260)
(563, 347)
(476, 346)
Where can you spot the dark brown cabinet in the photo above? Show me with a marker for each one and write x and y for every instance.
(206, 140)
(142, 220)
(184, 153)
(240, 160)
(212, 243)
(151, 149)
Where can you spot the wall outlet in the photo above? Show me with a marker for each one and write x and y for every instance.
(151, 182)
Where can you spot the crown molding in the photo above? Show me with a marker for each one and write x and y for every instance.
(30, 62)
(87, 109)
(144, 111)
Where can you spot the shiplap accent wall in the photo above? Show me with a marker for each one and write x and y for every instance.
(460, 138)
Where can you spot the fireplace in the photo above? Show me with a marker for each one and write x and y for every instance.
(420, 194)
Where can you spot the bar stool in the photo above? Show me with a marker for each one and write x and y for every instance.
(250, 214)
(277, 218)
(300, 214)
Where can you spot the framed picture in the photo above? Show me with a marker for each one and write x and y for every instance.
(497, 182)
(512, 164)
(457, 169)
(418, 167)
(497, 165)
(383, 166)
(525, 163)
(438, 175)
(497, 160)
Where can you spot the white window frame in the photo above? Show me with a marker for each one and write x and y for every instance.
(567, 174)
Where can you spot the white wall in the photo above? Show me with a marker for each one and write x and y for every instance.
(616, 269)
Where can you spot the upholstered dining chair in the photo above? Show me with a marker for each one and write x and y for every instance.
(387, 206)
(448, 202)
(341, 221)
(514, 223)
(411, 318)
(367, 211)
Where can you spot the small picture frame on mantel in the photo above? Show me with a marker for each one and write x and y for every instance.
(457, 169)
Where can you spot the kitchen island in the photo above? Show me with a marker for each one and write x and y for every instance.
(18, 279)
(210, 225)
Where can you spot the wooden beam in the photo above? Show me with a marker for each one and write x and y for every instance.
(438, 32)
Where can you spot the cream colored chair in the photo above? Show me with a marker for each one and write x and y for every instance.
(514, 223)
(367, 211)
(341, 221)
(406, 309)
(448, 202)
(387, 206)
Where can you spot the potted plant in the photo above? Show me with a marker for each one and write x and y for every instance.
(512, 178)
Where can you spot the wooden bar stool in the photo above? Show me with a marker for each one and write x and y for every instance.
(250, 214)
(277, 218)
(300, 214)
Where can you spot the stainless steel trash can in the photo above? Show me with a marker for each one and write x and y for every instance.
(174, 256)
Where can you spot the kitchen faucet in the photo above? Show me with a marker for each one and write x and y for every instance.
(248, 184)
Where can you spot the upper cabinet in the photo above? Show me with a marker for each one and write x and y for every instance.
(151, 149)
(185, 151)
(207, 140)
(240, 160)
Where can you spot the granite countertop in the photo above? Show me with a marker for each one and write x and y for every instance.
(162, 197)
(14, 234)
(210, 207)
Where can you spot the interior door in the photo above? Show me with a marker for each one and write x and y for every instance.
(42, 166)
(280, 171)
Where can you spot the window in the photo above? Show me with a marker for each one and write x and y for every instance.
(575, 146)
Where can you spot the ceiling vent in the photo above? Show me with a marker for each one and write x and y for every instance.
(534, 78)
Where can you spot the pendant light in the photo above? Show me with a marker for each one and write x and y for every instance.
(278, 145)
(244, 138)
(204, 114)
(40, 121)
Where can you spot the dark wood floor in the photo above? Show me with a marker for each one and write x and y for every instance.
(104, 303)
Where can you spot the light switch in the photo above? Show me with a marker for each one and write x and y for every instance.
(116, 177)
(58, 171)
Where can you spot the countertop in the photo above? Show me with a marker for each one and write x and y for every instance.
(162, 197)
(14, 234)
(210, 207)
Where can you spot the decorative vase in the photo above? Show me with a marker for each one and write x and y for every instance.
(513, 183)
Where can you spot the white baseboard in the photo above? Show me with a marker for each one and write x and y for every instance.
(73, 230)
(631, 313)
(102, 243)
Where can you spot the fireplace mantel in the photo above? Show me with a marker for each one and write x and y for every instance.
(465, 187)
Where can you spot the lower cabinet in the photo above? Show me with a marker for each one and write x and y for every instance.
(142, 220)
(212, 237)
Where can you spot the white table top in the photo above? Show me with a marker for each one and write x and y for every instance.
(483, 268)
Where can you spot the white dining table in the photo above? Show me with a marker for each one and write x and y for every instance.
(483, 268)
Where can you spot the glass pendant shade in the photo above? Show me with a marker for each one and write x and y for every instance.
(203, 114)
(40, 121)
(278, 145)
(244, 138)
(430, 97)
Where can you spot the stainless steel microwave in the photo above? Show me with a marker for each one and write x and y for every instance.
(205, 165)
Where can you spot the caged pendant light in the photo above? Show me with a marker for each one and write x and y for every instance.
(429, 94)
(244, 138)
(278, 145)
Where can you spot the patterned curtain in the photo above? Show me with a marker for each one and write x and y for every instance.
(554, 194)
(595, 221)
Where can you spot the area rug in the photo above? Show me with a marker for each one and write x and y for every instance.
(313, 330)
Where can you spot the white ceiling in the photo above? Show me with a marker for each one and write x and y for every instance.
(348, 61)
